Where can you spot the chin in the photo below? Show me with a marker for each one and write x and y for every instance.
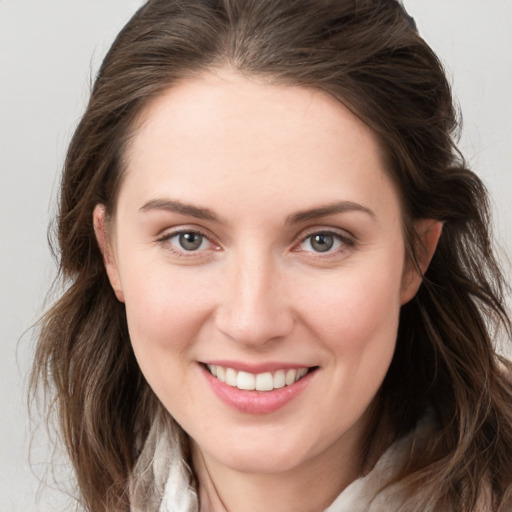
(261, 457)
(261, 463)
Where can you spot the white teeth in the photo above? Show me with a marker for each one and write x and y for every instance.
(245, 380)
(261, 382)
(264, 382)
(279, 379)
(221, 373)
(231, 377)
(301, 372)
(290, 377)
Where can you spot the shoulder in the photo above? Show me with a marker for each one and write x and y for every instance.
(378, 490)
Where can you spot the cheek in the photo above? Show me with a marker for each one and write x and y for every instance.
(356, 324)
(165, 312)
(357, 308)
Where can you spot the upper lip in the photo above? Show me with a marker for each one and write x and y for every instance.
(256, 368)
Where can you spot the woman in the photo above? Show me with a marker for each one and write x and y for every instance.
(282, 294)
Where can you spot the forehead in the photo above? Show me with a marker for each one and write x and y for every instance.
(223, 133)
(235, 105)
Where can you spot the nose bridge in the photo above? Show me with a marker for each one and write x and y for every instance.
(254, 308)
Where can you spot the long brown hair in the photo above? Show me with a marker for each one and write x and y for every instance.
(368, 55)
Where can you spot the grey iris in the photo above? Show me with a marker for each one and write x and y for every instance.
(190, 241)
(322, 242)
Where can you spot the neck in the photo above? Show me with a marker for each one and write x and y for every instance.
(224, 489)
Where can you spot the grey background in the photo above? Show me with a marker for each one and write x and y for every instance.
(49, 50)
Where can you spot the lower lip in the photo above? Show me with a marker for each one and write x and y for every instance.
(256, 402)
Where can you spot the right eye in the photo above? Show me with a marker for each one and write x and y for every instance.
(185, 242)
(324, 242)
(189, 241)
(321, 242)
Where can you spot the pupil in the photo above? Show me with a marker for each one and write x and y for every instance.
(190, 241)
(322, 242)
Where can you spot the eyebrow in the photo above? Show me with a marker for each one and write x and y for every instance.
(329, 209)
(180, 207)
(176, 206)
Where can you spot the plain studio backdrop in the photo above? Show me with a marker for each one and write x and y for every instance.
(49, 52)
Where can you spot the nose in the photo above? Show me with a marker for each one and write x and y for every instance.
(254, 308)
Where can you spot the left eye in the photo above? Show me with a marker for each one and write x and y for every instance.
(321, 242)
(189, 241)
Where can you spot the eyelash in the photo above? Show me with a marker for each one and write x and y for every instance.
(344, 242)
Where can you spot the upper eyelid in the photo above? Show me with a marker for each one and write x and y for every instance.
(342, 233)
(171, 232)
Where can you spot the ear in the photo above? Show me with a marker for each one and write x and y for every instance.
(105, 244)
(428, 233)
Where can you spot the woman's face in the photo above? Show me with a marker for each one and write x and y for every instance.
(258, 241)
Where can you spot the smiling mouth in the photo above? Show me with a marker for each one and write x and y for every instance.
(267, 381)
